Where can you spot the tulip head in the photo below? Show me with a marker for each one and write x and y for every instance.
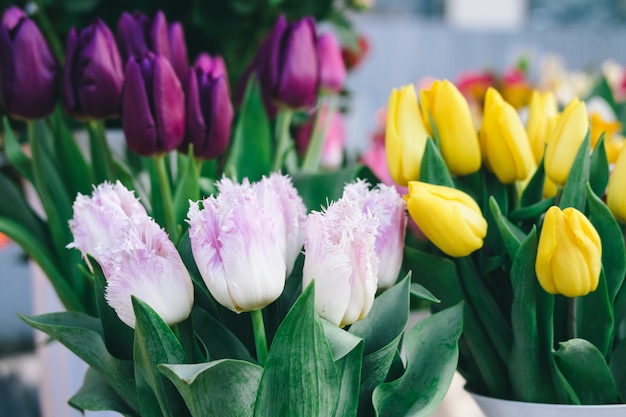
(503, 140)
(332, 68)
(405, 136)
(93, 75)
(238, 247)
(542, 117)
(452, 118)
(448, 217)
(565, 140)
(616, 191)
(340, 255)
(288, 65)
(28, 69)
(138, 35)
(178, 49)
(153, 106)
(389, 207)
(569, 255)
(209, 111)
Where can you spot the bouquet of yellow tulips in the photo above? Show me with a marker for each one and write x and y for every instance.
(524, 223)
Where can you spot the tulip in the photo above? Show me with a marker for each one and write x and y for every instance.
(452, 118)
(28, 69)
(288, 65)
(515, 88)
(236, 243)
(565, 140)
(542, 116)
(137, 35)
(93, 75)
(178, 49)
(153, 106)
(209, 112)
(405, 136)
(616, 191)
(340, 254)
(569, 255)
(503, 140)
(448, 217)
(332, 68)
(389, 207)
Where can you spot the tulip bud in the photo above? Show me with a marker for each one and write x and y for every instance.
(565, 140)
(288, 65)
(616, 191)
(405, 136)
(569, 255)
(332, 67)
(137, 35)
(28, 69)
(457, 136)
(340, 254)
(178, 49)
(239, 248)
(542, 116)
(503, 140)
(448, 217)
(389, 207)
(93, 75)
(153, 106)
(209, 112)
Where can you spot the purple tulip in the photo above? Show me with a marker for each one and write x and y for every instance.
(209, 110)
(178, 49)
(93, 75)
(153, 106)
(287, 64)
(137, 35)
(28, 69)
(332, 67)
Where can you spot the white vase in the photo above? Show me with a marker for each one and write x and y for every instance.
(494, 407)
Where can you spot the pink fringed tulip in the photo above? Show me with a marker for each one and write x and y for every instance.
(93, 75)
(332, 67)
(153, 106)
(389, 207)
(340, 255)
(28, 69)
(238, 246)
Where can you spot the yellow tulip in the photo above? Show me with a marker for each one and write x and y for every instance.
(449, 218)
(569, 255)
(599, 125)
(405, 136)
(457, 135)
(616, 191)
(613, 146)
(542, 116)
(503, 141)
(565, 140)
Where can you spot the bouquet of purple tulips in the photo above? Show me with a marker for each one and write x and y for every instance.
(207, 269)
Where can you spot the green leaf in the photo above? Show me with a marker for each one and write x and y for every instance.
(220, 342)
(300, 378)
(618, 368)
(613, 254)
(187, 188)
(533, 193)
(594, 317)
(251, 146)
(80, 6)
(599, 168)
(432, 352)
(422, 293)
(155, 343)
(97, 395)
(15, 154)
(219, 388)
(433, 169)
(587, 372)
(82, 335)
(574, 194)
(604, 90)
(511, 235)
(534, 211)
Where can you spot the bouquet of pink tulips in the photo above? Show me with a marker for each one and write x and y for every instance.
(199, 279)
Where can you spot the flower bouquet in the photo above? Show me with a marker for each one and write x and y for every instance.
(199, 279)
(529, 239)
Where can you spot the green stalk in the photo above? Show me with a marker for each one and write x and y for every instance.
(166, 197)
(313, 155)
(572, 332)
(51, 36)
(282, 137)
(260, 340)
(101, 152)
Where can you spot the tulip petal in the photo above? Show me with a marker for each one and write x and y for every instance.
(132, 39)
(159, 36)
(178, 49)
(169, 105)
(139, 125)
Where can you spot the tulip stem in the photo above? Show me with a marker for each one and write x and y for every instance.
(572, 332)
(260, 340)
(166, 197)
(101, 155)
(313, 155)
(282, 137)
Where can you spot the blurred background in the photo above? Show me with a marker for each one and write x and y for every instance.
(388, 43)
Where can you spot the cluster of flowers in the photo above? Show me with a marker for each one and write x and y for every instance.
(145, 76)
(245, 242)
